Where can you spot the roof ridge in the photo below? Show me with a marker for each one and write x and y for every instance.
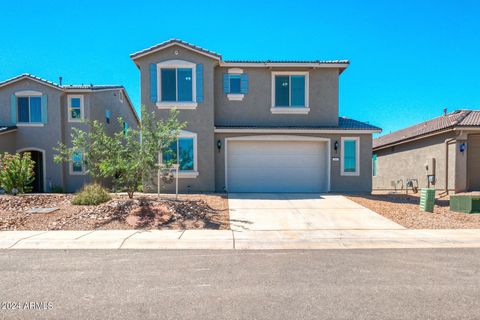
(462, 117)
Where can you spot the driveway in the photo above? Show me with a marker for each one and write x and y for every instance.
(280, 211)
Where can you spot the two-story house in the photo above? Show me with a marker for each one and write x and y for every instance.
(256, 126)
(36, 114)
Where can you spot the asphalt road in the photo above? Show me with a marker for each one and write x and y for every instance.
(325, 284)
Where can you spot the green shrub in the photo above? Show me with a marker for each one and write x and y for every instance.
(16, 172)
(91, 194)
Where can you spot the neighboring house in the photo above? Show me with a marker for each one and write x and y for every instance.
(36, 114)
(444, 149)
(256, 126)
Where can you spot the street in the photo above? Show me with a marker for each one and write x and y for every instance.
(181, 284)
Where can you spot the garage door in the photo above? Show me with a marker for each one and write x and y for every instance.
(277, 166)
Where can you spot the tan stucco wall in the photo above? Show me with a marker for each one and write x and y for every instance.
(338, 183)
(407, 161)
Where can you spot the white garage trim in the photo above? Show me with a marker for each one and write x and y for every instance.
(278, 138)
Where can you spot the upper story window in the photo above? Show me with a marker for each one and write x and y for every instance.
(29, 108)
(75, 108)
(184, 153)
(125, 128)
(176, 83)
(350, 156)
(235, 84)
(290, 92)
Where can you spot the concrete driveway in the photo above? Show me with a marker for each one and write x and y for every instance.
(280, 211)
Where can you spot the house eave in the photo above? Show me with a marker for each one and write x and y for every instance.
(294, 130)
(140, 54)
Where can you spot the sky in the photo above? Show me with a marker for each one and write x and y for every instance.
(409, 59)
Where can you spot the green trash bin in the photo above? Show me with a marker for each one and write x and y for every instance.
(427, 199)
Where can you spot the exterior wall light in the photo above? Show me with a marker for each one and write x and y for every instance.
(463, 147)
(335, 146)
(219, 144)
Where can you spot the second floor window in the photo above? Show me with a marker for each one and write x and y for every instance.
(176, 84)
(290, 90)
(29, 109)
(107, 116)
(125, 128)
(75, 108)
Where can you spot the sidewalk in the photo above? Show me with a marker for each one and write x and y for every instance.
(228, 239)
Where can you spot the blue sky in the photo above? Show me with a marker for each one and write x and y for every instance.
(409, 59)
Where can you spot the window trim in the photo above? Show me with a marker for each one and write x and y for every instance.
(357, 158)
(28, 94)
(289, 110)
(69, 107)
(188, 173)
(176, 64)
(76, 173)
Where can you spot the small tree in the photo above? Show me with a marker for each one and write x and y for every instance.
(16, 172)
(95, 146)
(124, 156)
(135, 153)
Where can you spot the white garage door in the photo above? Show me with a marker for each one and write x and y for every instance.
(277, 166)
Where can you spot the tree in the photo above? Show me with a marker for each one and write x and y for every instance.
(94, 145)
(135, 153)
(126, 157)
(16, 172)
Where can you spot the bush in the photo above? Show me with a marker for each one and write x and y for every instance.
(16, 172)
(91, 194)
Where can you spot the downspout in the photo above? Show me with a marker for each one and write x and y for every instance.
(447, 143)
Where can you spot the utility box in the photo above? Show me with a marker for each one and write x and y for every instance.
(430, 167)
(427, 199)
(465, 203)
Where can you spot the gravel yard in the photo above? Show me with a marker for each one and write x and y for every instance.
(404, 210)
(193, 211)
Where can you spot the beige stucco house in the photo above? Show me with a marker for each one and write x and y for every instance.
(443, 152)
(256, 126)
(36, 114)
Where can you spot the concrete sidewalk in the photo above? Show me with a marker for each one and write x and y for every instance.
(228, 239)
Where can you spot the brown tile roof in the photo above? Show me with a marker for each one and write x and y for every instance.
(343, 124)
(289, 61)
(459, 118)
(5, 129)
(171, 42)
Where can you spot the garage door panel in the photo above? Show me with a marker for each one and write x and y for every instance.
(250, 161)
(277, 166)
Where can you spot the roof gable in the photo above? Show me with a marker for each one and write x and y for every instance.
(30, 77)
(172, 42)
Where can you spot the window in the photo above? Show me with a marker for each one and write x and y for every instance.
(29, 109)
(125, 128)
(235, 86)
(290, 92)
(75, 108)
(184, 152)
(350, 156)
(374, 164)
(177, 84)
(107, 116)
(76, 165)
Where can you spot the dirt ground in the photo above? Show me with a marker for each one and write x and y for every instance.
(192, 211)
(404, 210)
